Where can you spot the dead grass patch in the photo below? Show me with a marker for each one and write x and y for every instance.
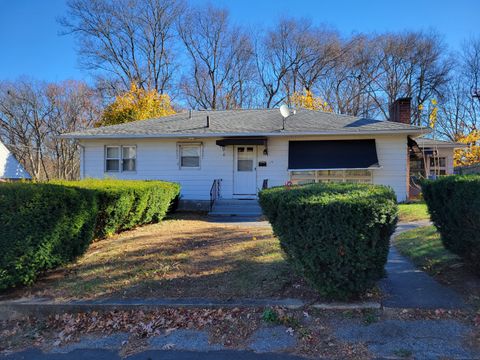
(184, 256)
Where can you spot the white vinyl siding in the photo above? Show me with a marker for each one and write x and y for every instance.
(159, 159)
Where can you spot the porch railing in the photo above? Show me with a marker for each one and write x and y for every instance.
(214, 192)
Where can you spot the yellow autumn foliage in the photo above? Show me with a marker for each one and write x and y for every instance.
(136, 104)
(470, 155)
(308, 101)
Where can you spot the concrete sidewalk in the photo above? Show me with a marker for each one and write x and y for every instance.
(101, 354)
(408, 287)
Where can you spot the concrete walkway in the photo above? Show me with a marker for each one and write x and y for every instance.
(408, 287)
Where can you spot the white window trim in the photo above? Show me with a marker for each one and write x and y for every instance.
(436, 168)
(134, 158)
(180, 145)
(120, 158)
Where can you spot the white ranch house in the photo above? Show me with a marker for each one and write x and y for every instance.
(233, 154)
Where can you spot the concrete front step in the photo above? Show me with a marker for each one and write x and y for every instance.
(236, 202)
(236, 207)
(238, 214)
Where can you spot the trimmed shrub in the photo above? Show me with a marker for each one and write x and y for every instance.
(125, 204)
(335, 235)
(454, 206)
(42, 226)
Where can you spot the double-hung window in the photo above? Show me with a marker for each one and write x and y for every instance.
(438, 166)
(190, 155)
(129, 158)
(120, 158)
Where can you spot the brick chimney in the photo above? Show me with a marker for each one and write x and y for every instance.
(400, 110)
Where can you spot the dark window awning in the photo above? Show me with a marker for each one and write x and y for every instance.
(332, 154)
(242, 141)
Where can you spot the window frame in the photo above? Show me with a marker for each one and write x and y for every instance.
(181, 146)
(134, 158)
(332, 175)
(437, 169)
(120, 158)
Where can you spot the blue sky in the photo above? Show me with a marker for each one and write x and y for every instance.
(30, 44)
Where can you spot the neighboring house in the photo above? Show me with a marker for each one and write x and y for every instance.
(10, 168)
(432, 158)
(243, 151)
(437, 156)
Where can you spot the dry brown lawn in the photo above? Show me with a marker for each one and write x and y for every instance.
(184, 256)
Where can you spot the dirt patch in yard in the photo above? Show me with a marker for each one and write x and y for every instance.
(184, 256)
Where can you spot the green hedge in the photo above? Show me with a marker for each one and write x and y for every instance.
(124, 204)
(44, 225)
(335, 235)
(454, 206)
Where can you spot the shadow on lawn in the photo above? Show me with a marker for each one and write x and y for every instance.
(188, 259)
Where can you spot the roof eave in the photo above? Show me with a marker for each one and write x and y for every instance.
(444, 146)
(413, 132)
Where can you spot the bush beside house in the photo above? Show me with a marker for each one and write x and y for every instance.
(454, 206)
(46, 225)
(335, 235)
(126, 204)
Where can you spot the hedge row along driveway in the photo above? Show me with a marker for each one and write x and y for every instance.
(45, 225)
(454, 205)
(335, 235)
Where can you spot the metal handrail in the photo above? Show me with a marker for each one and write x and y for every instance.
(214, 192)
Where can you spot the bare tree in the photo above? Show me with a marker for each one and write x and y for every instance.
(276, 54)
(471, 66)
(125, 41)
(346, 86)
(459, 110)
(413, 64)
(75, 106)
(33, 115)
(220, 59)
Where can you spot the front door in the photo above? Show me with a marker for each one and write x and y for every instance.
(245, 170)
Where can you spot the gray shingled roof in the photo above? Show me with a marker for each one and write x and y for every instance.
(426, 142)
(247, 123)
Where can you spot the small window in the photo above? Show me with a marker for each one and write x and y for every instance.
(438, 161)
(112, 158)
(245, 165)
(190, 156)
(120, 158)
(129, 154)
(302, 177)
(331, 176)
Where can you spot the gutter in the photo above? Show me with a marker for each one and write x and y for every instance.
(413, 132)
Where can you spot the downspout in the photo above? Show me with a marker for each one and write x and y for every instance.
(82, 161)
